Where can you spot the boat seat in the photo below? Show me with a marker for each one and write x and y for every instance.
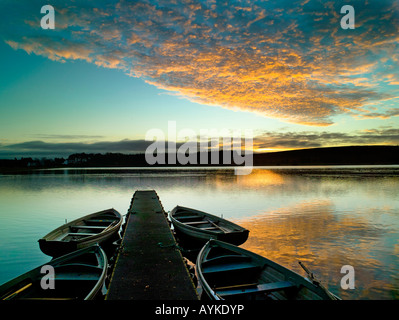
(230, 267)
(76, 276)
(88, 227)
(260, 288)
(206, 221)
(84, 265)
(196, 222)
(101, 220)
(229, 258)
(188, 217)
(211, 228)
(72, 234)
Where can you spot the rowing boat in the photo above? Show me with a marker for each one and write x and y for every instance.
(227, 272)
(201, 226)
(86, 231)
(79, 275)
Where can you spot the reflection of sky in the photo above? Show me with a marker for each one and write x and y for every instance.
(312, 233)
(324, 220)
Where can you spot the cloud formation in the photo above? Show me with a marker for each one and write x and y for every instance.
(265, 140)
(66, 148)
(309, 139)
(288, 60)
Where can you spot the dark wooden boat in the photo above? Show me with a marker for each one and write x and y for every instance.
(79, 275)
(227, 272)
(201, 226)
(81, 233)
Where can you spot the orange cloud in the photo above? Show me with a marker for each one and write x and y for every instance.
(287, 60)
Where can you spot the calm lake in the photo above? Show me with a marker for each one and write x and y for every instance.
(326, 217)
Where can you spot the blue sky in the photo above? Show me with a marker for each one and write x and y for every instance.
(112, 70)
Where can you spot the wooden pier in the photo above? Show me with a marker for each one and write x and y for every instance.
(149, 266)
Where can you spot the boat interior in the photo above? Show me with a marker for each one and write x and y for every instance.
(235, 276)
(89, 227)
(73, 280)
(199, 221)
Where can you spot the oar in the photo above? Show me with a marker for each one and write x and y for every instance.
(316, 282)
(215, 225)
(12, 295)
(310, 274)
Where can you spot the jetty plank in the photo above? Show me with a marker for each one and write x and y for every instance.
(149, 266)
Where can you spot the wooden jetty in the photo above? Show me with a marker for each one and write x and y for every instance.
(149, 266)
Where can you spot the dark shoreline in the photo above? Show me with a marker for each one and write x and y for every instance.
(334, 156)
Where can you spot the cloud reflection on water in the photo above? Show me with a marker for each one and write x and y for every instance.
(313, 232)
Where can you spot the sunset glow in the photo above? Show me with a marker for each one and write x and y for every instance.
(111, 70)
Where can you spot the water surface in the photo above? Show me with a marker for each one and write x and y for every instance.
(325, 217)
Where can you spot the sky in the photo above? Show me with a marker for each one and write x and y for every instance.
(110, 71)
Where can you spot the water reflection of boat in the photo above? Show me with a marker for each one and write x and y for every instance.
(81, 233)
(227, 272)
(201, 226)
(78, 275)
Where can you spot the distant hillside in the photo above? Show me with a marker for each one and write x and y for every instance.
(356, 155)
(319, 156)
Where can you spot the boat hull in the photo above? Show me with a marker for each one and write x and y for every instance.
(82, 233)
(231, 232)
(79, 275)
(227, 272)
